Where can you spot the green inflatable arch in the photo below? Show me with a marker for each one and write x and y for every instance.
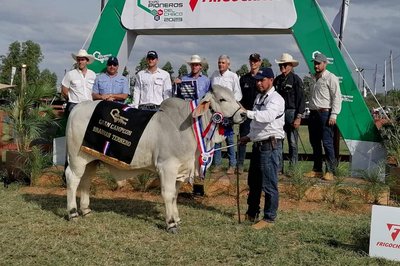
(311, 32)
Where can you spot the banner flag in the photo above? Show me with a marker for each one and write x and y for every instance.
(384, 77)
(338, 19)
(391, 69)
(376, 72)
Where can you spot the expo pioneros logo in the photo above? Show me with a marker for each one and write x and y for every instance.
(167, 12)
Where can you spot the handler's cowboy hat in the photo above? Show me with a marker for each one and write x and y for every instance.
(287, 58)
(83, 53)
(195, 59)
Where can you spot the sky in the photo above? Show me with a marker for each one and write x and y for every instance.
(62, 28)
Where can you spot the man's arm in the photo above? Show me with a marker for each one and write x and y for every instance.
(64, 92)
(299, 101)
(167, 87)
(136, 92)
(237, 91)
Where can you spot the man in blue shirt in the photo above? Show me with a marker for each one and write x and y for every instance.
(111, 86)
(193, 86)
(201, 84)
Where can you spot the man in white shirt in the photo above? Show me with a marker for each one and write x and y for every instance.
(266, 132)
(152, 86)
(226, 78)
(77, 84)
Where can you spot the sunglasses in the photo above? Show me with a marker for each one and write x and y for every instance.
(112, 64)
(81, 59)
(284, 65)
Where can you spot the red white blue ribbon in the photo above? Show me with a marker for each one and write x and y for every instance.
(202, 138)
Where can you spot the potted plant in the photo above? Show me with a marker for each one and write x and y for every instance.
(29, 119)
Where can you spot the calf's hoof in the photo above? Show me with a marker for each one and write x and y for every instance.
(73, 215)
(173, 230)
(86, 212)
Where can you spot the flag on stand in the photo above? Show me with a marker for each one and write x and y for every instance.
(336, 25)
(391, 69)
(384, 77)
(376, 72)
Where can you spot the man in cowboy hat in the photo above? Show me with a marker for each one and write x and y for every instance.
(77, 84)
(200, 82)
(290, 87)
(325, 105)
(153, 85)
(191, 87)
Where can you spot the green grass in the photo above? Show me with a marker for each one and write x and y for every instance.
(33, 231)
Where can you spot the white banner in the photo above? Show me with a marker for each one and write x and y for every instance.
(192, 14)
(338, 19)
(385, 232)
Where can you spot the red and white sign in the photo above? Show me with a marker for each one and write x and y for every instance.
(385, 232)
(207, 14)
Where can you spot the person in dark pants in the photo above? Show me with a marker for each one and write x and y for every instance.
(77, 84)
(325, 105)
(266, 132)
(248, 85)
(290, 87)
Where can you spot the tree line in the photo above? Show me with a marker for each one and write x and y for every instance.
(30, 53)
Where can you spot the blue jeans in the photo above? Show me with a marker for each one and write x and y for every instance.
(319, 131)
(263, 177)
(231, 152)
(292, 135)
(244, 130)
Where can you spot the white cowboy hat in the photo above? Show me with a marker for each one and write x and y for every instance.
(287, 58)
(195, 59)
(83, 53)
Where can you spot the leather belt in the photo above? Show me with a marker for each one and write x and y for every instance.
(149, 106)
(322, 110)
(269, 140)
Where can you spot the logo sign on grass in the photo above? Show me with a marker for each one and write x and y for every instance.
(182, 14)
(385, 232)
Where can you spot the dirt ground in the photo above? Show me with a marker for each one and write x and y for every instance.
(220, 189)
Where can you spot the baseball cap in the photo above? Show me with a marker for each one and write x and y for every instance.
(320, 58)
(112, 60)
(265, 72)
(152, 54)
(255, 57)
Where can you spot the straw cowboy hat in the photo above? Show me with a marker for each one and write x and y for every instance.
(195, 59)
(83, 53)
(287, 58)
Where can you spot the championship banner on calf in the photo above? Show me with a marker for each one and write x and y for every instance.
(114, 132)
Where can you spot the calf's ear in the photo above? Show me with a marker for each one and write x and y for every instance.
(201, 109)
(203, 106)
